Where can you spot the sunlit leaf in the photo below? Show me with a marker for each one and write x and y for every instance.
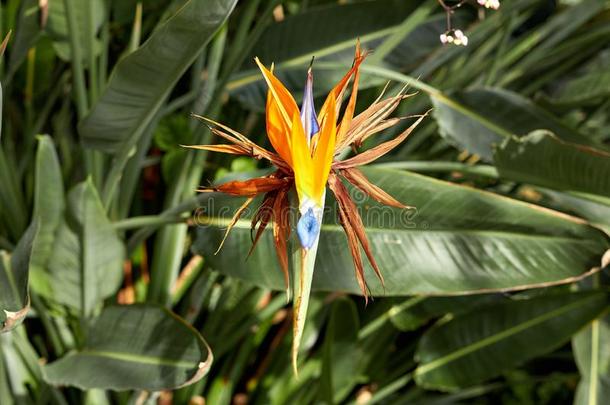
(457, 240)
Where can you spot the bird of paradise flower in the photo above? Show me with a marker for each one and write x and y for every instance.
(307, 150)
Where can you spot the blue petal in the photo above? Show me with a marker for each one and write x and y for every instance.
(308, 229)
(308, 111)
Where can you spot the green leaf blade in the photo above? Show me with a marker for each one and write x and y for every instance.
(540, 158)
(142, 81)
(14, 275)
(134, 347)
(458, 240)
(480, 345)
(479, 118)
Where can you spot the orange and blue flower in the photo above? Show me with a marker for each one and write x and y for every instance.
(306, 149)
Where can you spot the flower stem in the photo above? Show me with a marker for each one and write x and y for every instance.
(303, 262)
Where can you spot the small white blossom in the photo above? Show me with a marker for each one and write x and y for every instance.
(460, 38)
(455, 37)
(493, 4)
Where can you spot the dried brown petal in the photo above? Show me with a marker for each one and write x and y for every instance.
(351, 105)
(230, 149)
(354, 228)
(252, 187)
(252, 148)
(365, 123)
(281, 231)
(358, 179)
(378, 151)
(234, 220)
(263, 215)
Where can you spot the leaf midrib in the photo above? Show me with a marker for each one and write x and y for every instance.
(134, 358)
(246, 224)
(464, 351)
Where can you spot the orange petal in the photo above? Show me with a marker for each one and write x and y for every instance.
(339, 89)
(351, 105)
(324, 153)
(286, 104)
(277, 130)
(301, 160)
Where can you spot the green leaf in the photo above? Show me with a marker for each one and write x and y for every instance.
(143, 347)
(6, 396)
(14, 297)
(589, 88)
(49, 206)
(591, 348)
(27, 34)
(142, 81)
(457, 240)
(477, 119)
(542, 159)
(480, 345)
(23, 368)
(340, 353)
(596, 210)
(409, 315)
(331, 34)
(57, 28)
(79, 258)
(330, 30)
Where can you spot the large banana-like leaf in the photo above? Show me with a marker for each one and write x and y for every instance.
(142, 81)
(14, 297)
(134, 347)
(457, 240)
(480, 345)
(542, 159)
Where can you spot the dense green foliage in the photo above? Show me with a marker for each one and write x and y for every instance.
(495, 283)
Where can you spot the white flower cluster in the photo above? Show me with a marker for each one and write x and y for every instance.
(493, 4)
(455, 37)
